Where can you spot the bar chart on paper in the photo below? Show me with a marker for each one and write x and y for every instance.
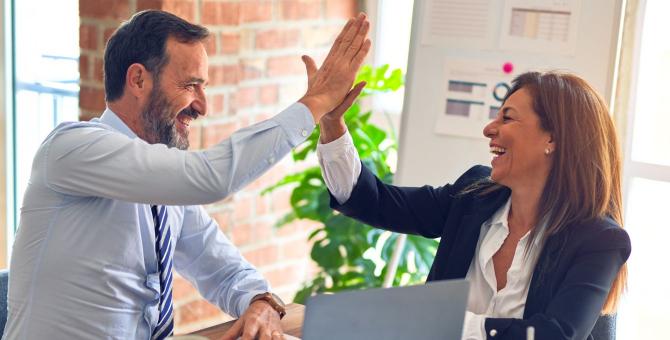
(540, 24)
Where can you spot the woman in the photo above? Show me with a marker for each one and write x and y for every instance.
(538, 235)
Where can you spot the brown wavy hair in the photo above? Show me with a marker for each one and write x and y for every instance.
(584, 182)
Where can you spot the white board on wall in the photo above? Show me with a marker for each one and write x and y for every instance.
(460, 51)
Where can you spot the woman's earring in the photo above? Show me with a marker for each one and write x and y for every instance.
(547, 151)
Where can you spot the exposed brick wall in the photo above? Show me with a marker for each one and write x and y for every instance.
(255, 71)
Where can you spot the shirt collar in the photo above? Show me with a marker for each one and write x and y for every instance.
(499, 218)
(110, 118)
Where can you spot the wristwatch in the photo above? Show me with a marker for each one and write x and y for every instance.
(273, 300)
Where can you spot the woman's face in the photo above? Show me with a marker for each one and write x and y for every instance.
(518, 143)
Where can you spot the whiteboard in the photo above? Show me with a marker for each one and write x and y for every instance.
(582, 37)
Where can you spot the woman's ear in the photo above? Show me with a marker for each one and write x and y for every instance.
(550, 145)
(138, 81)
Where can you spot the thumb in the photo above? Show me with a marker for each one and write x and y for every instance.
(233, 332)
(310, 66)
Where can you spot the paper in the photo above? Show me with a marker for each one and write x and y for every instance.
(458, 23)
(473, 94)
(545, 26)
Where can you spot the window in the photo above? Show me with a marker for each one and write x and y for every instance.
(46, 79)
(643, 314)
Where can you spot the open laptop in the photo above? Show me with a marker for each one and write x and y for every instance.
(431, 311)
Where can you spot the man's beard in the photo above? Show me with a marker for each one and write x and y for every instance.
(159, 122)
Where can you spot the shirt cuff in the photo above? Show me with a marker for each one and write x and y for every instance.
(473, 327)
(297, 122)
(332, 150)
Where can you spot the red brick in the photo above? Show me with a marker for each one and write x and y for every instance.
(269, 94)
(320, 37)
(241, 234)
(223, 220)
(341, 8)
(230, 43)
(245, 97)
(300, 9)
(243, 208)
(255, 11)
(285, 65)
(182, 289)
(220, 13)
(281, 201)
(98, 71)
(298, 227)
(88, 37)
(213, 134)
(149, 4)
(84, 68)
(223, 74)
(263, 231)
(275, 39)
(196, 311)
(92, 99)
(184, 9)
(210, 44)
(296, 249)
(108, 34)
(288, 275)
(263, 256)
(195, 137)
(215, 105)
(261, 207)
(251, 68)
(104, 9)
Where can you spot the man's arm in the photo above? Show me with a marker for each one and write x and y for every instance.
(207, 258)
(89, 160)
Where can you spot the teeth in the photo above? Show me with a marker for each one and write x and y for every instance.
(497, 150)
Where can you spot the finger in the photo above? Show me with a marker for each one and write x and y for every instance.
(358, 40)
(350, 35)
(250, 331)
(361, 54)
(234, 332)
(277, 335)
(348, 100)
(338, 40)
(310, 67)
(353, 94)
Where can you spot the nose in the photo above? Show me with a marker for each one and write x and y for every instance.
(491, 129)
(200, 103)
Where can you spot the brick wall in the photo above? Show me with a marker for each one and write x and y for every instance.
(255, 71)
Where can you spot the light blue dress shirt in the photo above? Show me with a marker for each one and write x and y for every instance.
(84, 261)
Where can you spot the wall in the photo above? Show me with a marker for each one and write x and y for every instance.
(255, 71)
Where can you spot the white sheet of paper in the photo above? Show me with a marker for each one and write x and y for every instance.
(545, 26)
(459, 23)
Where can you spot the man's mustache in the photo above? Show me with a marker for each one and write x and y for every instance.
(190, 112)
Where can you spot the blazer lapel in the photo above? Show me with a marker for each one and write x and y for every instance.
(463, 249)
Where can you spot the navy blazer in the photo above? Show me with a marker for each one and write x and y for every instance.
(571, 279)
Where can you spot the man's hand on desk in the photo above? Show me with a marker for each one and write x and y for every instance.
(260, 321)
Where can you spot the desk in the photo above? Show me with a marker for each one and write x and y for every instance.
(291, 323)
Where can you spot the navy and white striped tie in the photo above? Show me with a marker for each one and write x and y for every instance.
(164, 255)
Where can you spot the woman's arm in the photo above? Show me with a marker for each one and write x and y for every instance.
(413, 210)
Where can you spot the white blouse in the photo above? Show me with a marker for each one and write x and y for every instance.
(341, 168)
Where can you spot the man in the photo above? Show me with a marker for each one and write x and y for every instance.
(111, 205)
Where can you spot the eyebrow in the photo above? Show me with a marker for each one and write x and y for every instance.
(506, 109)
(195, 80)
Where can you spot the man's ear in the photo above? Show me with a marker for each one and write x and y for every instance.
(138, 81)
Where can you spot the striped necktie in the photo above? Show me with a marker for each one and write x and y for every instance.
(164, 255)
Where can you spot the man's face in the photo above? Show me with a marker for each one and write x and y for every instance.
(179, 95)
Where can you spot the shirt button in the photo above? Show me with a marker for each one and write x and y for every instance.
(304, 133)
(493, 332)
(271, 160)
